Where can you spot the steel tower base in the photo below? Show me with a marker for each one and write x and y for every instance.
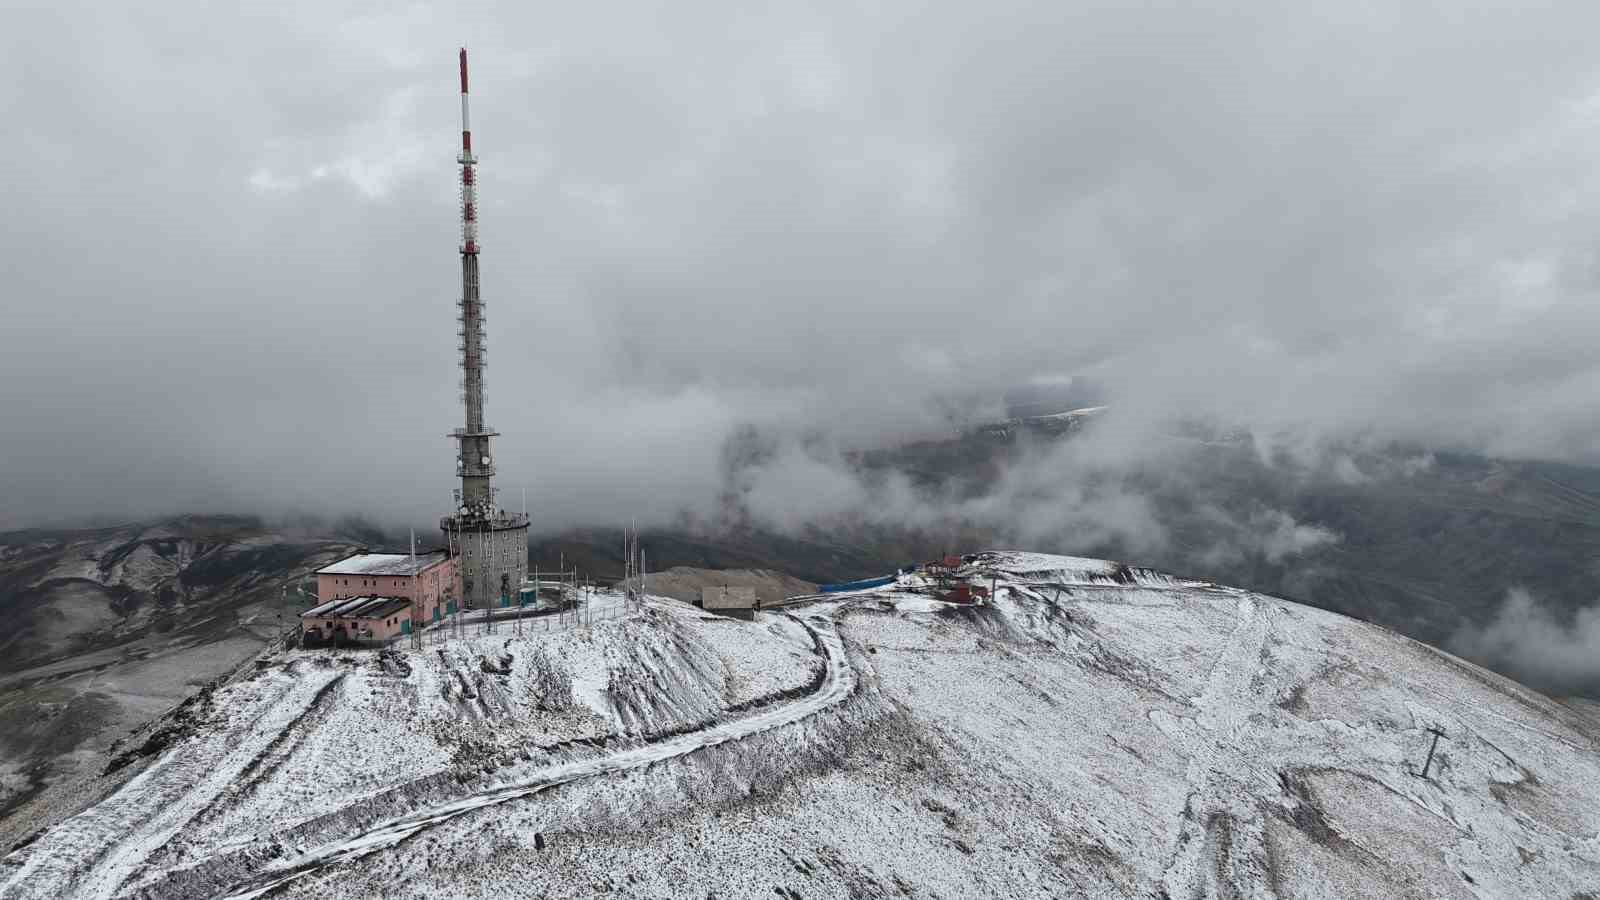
(493, 554)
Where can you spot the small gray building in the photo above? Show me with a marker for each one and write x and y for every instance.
(725, 600)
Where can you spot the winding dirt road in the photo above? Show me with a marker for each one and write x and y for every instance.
(838, 683)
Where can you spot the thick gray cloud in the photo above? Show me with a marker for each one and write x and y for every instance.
(1537, 645)
(228, 264)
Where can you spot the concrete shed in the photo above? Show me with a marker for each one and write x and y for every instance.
(356, 620)
(729, 600)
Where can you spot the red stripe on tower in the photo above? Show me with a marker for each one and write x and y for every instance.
(469, 191)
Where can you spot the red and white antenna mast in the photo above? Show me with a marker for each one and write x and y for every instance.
(496, 571)
(475, 463)
(469, 186)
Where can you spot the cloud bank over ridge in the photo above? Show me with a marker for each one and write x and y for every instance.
(231, 272)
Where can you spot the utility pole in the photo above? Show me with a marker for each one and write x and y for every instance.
(638, 553)
(455, 625)
(416, 601)
(1437, 733)
(449, 588)
(536, 594)
(485, 624)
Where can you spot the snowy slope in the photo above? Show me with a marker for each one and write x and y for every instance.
(1094, 730)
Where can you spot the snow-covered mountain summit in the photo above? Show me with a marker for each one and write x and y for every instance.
(1091, 729)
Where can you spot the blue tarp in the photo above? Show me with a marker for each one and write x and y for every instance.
(861, 585)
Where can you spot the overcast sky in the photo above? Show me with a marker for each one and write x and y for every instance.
(229, 265)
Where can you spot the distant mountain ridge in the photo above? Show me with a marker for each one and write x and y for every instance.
(1426, 543)
(184, 578)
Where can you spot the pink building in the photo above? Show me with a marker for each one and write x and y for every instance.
(431, 581)
(356, 620)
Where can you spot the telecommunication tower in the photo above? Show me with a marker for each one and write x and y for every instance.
(490, 544)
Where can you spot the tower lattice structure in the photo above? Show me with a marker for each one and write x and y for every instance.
(490, 544)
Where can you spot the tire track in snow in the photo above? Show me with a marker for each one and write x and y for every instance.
(1218, 835)
(94, 853)
(266, 764)
(838, 684)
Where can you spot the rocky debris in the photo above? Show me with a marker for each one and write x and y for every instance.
(551, 683)
(394, 663)
(948, 814)
(500, 665)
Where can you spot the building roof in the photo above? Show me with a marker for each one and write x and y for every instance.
(385, 563)
(728, 597)
(357, 608)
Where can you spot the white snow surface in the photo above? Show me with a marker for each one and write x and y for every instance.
(1092, 730)
(385, 563)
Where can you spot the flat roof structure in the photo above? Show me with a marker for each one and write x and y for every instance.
(734, 601)
(357, 608)
(726, 597)
(385, 563)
